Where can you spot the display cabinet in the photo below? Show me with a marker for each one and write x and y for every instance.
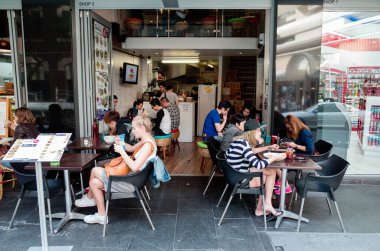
(369, 125)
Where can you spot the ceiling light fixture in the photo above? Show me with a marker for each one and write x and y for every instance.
(180, 60)
(210, 65)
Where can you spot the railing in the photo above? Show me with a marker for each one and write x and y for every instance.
(194, 23)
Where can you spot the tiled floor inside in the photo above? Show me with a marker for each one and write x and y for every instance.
(186, 220)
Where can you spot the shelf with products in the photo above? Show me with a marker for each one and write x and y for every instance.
(363, 81)
(333, 83)
(369, 125)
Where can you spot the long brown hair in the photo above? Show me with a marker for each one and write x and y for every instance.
(296, 125)
(24, 116)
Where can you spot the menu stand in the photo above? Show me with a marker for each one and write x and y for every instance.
(46, 148)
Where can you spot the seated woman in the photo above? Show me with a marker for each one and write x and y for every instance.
(143, 151)
(300, 134)
(304, 143)
(137, 109)
(241, 157)
(24, 127)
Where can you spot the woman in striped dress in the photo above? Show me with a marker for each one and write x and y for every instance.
(241, 157)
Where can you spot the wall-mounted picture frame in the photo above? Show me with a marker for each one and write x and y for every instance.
(130, 73)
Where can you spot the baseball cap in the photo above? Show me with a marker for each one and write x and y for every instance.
(252, 124)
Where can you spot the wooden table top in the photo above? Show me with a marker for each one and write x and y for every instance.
(70, 161)
(78, 145)
(309, 164)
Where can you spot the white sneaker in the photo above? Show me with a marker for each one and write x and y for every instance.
(95, 218)
(85, 202)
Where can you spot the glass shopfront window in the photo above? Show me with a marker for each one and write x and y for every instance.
(350, 78)
(47, 34)
(194, 23)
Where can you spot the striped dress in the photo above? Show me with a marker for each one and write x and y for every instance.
(241, 157)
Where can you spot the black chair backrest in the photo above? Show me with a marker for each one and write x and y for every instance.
(23, 176)
(323, 148)
(334, 167)
(221, 155)
(139, 179)
(213, 148)
(233, 176)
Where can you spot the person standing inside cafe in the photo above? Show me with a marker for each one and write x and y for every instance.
(173, 111)
(212, 126)
(170, 95)
(300, 134)
(240, 156)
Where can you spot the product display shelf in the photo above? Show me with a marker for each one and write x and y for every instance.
(333, 84)
(369, 125)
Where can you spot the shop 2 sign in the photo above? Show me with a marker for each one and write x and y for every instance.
(86, 4)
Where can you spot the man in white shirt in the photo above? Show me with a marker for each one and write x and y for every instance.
(169, 94)
(162, 124)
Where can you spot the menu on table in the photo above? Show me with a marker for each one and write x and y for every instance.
(46, 147)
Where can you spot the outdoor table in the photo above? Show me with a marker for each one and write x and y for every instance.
(74, 162)
(293, 165)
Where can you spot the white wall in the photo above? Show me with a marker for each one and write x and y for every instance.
(126, 93)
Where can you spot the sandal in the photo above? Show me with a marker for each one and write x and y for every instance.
(262, 214)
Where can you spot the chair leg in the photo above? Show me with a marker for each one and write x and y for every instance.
(328, 203)
(104, 225)
(81, 183)
(221, 197)
(265, 213)
(300, 215)
(240, 196)
(147, 215)
(177, 142)
(1, 186)
(291, 198)
(147, 193)
(340, 217)
(146, 202)
(210, 179)
(202, 163)
(14, 214)
(225, 210)
(72, 192)
(50, 219)
(163, 150)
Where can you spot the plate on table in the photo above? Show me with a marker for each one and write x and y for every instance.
(269, 155)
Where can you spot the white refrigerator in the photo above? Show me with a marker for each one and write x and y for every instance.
(207, 95)
(187, 121)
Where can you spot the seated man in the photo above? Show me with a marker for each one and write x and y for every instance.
(173, 111)
(212, 126)
(162, 124)
(120, 126)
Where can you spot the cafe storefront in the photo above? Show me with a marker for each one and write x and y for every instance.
(313, 53)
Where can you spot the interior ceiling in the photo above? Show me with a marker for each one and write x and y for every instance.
(202, 53)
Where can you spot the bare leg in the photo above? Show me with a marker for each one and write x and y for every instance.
(95, 172)
(96, 186)
(269, 184)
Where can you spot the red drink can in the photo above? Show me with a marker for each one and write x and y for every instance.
(289, 153)
(274, 139)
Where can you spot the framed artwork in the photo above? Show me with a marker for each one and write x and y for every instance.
(130, 73)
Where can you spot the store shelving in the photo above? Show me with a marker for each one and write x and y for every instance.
(369, 125)
(333, 84)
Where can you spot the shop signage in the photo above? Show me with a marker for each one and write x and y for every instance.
(10, 5)
(337, 5)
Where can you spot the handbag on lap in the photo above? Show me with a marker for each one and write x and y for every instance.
(117, 166)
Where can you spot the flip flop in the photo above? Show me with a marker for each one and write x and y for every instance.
(259, 215)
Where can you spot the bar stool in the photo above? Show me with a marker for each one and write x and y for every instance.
(164, 142)
(203, 151)
(3, 171)
(175, 135)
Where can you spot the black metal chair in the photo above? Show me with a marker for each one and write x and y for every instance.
(240, 183)
(323, 185)
(138, 180)
(323, 148)
(213, 148)
(27, 180)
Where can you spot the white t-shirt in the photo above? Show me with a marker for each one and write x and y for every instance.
(171, 96)
(166, 123)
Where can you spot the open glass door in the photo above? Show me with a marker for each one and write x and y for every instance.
(96, 49)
